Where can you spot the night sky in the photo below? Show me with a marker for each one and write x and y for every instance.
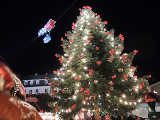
(139, 22)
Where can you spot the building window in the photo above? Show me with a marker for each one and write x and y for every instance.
(37, 91)
(30, 91)
(46, 90)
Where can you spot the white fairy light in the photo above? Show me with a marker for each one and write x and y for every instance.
(123, 96)
(84, 49)
(125, 102)
(75, 45)
(87, 75)
(77, 84)
(139, 100)
(74, 97)
(84, 60)
(120, 100)
(85, 68)
(107, 95)
(112, 38)
(74, 74)
(85, 38)
(84, 102)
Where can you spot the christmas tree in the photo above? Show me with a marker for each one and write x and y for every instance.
(95, 74)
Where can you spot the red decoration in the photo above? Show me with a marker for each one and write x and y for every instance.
(150, 76)
(60, 59)
(71, 41)
(125, 76)
(101, 41)
(81, 13)
(73, 25)
(121, 37)
(61, 45)
(80, 9)
(62, 39)
(87, 7)
(97, 22)
(87, 91)
(98, 62)
(97, 48)
(66, 35)
(114, 76)
(82, 89)
(132, 67)
(141, 85)
(56, 55)
(135, 51)
(92, 26)
(124, 57)
(91, 37)
(91, 71)
(138, 118)
(111, 83)
(105, 22)
(80, 56)
(111, 51)
(107, 117)
(77, 78)
(88, 41)
(122, 47)
(107, 33)
(73, 106)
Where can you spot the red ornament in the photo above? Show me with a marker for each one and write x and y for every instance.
(60, 59)
(80, 56)
(87, 7)
(71, 41)
(91, 37)
(73, 25)
(122, 47)
(73, 106)
(107, 117)
(62, 39)
(141, 85)
(111, 83)
(56, 55)
(124, 57)
(82, 89)
(77, 78)
(135, 51)
(97, 22)
(101, 41)
(105, 22)
(80, 9)
(88, 41)
(92, 26)
(91, 71)
(125, 76)
(98, 62)
(81, 13)
(87, 91)
(114, 76)
(111, 51)
(61, 45)
(132, 67)
(107, 33)
(66, 34)
(97, 48)
(138, 118)
(150, 76)
(121, 37)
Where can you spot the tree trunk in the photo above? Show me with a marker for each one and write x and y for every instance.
(97, 114)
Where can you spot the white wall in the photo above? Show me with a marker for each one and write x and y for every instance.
(41, 89)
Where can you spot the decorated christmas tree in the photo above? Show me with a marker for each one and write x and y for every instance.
(96, 75)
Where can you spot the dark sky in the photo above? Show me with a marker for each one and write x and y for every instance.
(137, 21)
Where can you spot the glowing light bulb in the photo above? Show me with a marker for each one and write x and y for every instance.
(85, 38)
(125, 102)
(74, 97)
(84, 49)
(74, 74)
(85, 68)
(84, 60)
(123, 96)
(120, 100)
